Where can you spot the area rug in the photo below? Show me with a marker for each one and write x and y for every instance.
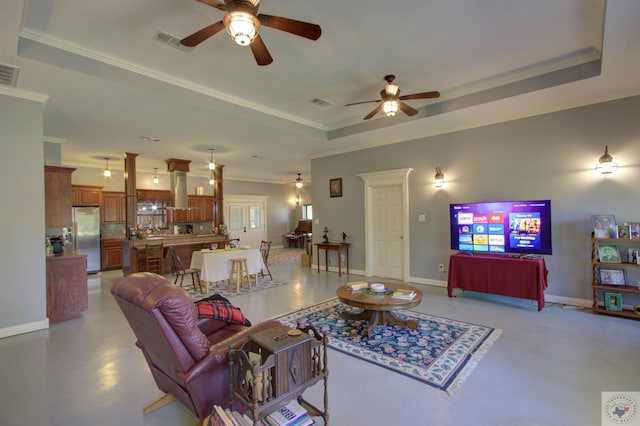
(285, 256)
(441, 353)
(222, 287)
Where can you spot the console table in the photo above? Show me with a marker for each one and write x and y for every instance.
(504, 275)
(339, 247)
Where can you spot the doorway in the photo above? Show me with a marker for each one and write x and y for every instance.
(246, 218)
(386, 196)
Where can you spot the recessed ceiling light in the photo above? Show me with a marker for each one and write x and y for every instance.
(320, 102)
(257, 156)
(149, 138)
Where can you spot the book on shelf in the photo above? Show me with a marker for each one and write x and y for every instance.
(404, 294)
(291, 414)
(219, 417)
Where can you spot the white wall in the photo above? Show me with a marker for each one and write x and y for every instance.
(23, 284)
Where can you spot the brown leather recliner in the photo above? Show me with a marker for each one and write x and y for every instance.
(187, 357)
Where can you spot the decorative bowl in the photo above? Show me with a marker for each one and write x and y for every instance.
(378, 288)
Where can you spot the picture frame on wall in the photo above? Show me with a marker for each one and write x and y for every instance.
(612, 301)
(624, 231)
(608, 253)
(612, 277)
(604, 226)
(335, 187)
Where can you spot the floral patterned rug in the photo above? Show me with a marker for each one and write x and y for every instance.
(441, 352)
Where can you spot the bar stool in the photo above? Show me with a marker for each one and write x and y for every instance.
(239, 273)
(153, 258)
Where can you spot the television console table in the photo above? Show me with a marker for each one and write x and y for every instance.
(499, 274)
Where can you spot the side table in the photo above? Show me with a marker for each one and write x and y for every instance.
(277, 365)
(339, 247)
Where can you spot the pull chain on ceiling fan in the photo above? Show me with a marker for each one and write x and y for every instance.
(391, 102)
(243, 25)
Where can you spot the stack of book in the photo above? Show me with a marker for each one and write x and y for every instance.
(292, 414)
(404, 294)
(226, 417)
(357, 285)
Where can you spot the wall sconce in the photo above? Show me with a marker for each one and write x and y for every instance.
(155, 176)
(606, 165)
(212, 165)
(438, 179)
(106, 172)
(299, 181)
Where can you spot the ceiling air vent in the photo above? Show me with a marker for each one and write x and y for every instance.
(320, 102)
(171, 40)
(9, 74)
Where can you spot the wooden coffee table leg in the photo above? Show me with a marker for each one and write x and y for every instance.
(388, 318)
(364, 315)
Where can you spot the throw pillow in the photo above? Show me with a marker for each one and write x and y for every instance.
(221, 309)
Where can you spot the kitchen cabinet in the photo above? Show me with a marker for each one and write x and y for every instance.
(67, 293)
(202, 208)
(154, 196)
(85, 195)
(113, 207)
(57, 196)
(111, 254)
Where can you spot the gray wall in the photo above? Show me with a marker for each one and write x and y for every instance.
(550, 156)
(23, 301)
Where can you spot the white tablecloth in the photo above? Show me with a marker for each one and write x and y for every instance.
(216, 265)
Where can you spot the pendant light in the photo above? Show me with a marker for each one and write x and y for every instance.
(299, 181)
(155, 176)
(212, 180)
(212, 165)
(106, 172)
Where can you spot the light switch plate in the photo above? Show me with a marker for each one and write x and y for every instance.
(422, 218)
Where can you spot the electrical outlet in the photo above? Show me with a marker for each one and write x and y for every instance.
(441, 267)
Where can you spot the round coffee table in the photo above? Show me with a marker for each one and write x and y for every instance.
(378, 308)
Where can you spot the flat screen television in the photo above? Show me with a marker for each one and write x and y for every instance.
(502, 227)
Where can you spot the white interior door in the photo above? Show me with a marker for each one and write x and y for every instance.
(386, 197)
(246, 218)
(388, 253)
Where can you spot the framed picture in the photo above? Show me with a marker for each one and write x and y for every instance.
(604, 226)
(624, 231)
(612, 277)
(612, 301)
(335, 187)
(608, 253)
(634, 230)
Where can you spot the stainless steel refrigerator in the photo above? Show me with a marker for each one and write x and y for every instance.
(86, 235)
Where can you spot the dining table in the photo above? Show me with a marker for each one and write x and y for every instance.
(215, 265)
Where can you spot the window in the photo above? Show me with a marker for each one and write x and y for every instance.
(307, 212)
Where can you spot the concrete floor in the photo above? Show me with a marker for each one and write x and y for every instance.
(547, 368)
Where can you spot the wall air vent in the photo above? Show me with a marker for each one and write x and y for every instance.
(171, 40)
(9, 74)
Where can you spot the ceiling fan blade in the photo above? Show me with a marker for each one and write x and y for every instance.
(423, 95)
(260, 51)
(214, 3)
(372, 113)
(410, 111)
(299, 28)
(200, 36)
(363, 102)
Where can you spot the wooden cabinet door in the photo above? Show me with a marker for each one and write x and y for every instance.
(86, 195)
(113, 207)
(207, 208)
(111, 254)
(57, 196)
(195, 215)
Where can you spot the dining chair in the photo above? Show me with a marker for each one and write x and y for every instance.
(153, 258)
(265, 248)
(178, 269)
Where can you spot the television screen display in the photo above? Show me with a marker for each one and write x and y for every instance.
(502, 227)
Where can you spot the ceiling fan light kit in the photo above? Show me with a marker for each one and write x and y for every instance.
(391, 102)
(243, 25)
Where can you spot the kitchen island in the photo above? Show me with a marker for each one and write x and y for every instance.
(133, 251)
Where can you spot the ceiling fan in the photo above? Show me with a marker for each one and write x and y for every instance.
(391, 102)
(243, 25)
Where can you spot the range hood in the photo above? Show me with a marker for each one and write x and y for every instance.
(178, 183)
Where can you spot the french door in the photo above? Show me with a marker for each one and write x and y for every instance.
(246, 218)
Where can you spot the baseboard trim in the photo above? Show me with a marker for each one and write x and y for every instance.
(24, 328)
